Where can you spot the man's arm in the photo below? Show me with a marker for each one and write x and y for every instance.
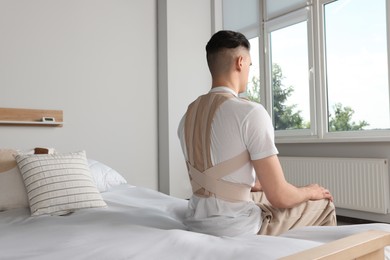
(278, 191)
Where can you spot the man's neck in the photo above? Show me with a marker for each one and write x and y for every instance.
(225, 83)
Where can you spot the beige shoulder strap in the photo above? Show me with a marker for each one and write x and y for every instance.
(206, 179)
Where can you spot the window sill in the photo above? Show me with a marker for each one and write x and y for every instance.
(333, 139)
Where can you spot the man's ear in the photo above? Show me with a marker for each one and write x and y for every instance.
(239, 63)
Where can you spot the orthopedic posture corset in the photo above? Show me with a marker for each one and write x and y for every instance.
(206, 179)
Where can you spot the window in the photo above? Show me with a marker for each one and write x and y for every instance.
(289, 73)
(356, 65)
(289, 67)
(253, 88)
(322, 67)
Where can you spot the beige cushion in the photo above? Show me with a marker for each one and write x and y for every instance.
(12, 191)
(7, 160)
(58, 183)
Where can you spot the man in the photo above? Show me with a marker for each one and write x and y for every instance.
(228, 143)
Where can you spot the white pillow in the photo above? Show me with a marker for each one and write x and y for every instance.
(104, 176)
(58, 183)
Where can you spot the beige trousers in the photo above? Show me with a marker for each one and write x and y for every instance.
(277, 221)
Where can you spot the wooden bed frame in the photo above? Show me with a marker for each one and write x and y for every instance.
(363, 246)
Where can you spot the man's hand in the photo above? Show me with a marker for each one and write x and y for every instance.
(257, 186)
(318, 192)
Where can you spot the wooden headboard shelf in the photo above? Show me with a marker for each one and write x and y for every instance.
(31, 117)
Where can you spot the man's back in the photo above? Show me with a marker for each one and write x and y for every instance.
(237, 125)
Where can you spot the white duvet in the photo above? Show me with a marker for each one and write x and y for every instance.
(141, 223)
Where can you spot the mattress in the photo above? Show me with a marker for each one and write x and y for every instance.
(140, 223)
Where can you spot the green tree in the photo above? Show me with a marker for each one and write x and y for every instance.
(253, 93)
(342, 119)
(287, 117)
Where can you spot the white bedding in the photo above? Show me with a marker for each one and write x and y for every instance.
(141, 223)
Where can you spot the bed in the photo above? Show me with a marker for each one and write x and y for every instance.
(140, 223)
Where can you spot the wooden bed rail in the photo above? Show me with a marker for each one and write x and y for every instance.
(362, 246)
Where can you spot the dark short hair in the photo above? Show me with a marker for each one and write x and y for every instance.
(226, 40)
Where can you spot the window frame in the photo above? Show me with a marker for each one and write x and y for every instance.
(318, 133)
(348, 136)
(317, 80)
(292, 18)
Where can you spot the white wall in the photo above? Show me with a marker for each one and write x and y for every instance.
(184, 29)
(96, 61)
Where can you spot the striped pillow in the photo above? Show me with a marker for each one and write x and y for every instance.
(58, 184)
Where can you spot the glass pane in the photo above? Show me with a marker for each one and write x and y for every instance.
(290, 78)
(356, 64)
(253, 88)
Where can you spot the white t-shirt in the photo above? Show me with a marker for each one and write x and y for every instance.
(237, 125)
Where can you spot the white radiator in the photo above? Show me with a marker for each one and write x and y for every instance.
(355, 183)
